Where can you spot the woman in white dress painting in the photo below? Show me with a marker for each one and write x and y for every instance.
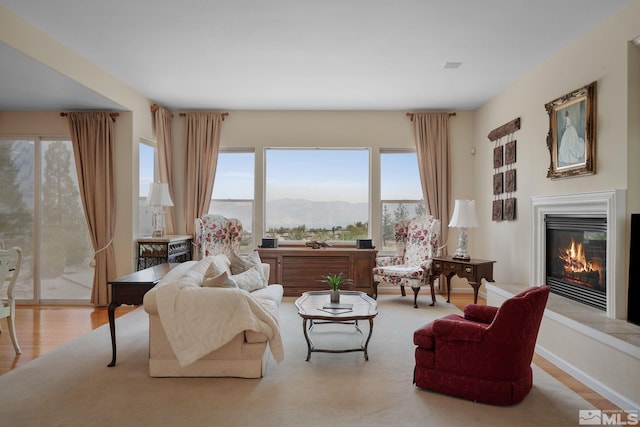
(571, 149)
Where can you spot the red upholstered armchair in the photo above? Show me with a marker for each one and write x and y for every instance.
(484, 356)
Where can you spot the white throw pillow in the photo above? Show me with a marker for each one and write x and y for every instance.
(221, 264)
(245, 261)
(249, 280)
(213, 279)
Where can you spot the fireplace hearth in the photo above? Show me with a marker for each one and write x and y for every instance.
(576, 258)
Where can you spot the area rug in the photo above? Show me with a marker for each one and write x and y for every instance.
(72, 385)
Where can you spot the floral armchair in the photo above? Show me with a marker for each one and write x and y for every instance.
(417, 242)
(216, 234)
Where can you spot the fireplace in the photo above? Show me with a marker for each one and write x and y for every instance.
(576, 258)
(598, 226)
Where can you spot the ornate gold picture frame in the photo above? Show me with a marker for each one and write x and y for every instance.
(572, 133)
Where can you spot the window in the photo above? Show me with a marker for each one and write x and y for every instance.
(317, 194)
(233, 191)
(41, 212)
(147, 173)
(400, 192)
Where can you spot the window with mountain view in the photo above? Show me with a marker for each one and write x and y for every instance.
(317, 194)
(400, 192)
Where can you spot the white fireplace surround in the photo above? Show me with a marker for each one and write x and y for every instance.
(611, 204)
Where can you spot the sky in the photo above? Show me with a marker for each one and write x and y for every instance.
(312, 174)
(319, 175)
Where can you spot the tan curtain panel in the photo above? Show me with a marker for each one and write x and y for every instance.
(203, 144)
(431, 131)
(164, 135)
(92, 140)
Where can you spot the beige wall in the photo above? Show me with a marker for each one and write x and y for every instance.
(603, 56)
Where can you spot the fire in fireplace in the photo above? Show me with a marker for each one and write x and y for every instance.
(580, 268)
(576, 256)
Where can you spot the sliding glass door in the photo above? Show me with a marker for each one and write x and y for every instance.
(41, 212)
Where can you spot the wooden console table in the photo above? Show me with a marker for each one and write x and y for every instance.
(130, 290)
(300, 269)
(474, 270)
(159, 250)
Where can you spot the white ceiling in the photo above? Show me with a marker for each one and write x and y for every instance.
(295, 54)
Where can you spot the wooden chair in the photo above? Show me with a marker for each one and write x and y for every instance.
(10, 262)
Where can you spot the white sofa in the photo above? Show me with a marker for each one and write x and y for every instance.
(243, 356)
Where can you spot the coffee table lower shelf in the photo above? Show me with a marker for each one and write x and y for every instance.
(312, 349)
(310, 306)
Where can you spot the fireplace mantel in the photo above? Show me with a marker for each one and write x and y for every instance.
(611, 204)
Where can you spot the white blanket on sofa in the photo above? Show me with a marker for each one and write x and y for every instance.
(199, 320)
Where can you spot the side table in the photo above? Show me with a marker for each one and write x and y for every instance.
(158, 250)
(130, 290)
(474, 270)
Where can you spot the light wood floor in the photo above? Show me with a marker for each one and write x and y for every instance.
(40, 329)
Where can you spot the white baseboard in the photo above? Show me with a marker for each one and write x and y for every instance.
(600, 388)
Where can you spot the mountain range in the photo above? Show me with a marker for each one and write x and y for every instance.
(296, 212)
(314, 214)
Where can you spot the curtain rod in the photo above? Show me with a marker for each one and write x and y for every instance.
(225, 114)
(112, 115)
(410, 115)
(156, 107)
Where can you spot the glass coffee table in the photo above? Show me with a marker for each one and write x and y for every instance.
(315, 307)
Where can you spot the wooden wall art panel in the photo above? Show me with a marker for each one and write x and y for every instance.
(504, 172)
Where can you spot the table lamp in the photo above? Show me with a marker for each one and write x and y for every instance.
(158, 198)
(464, 216)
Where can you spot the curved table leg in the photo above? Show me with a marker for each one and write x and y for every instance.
(306, 336)
(433, 293)
(476, 287)
(366, 344)
(112, 326)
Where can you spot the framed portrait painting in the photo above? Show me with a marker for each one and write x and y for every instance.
(572, 133)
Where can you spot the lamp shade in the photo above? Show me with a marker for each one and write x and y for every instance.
(464, 214)
(159, 195)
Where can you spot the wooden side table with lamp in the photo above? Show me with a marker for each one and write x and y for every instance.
(460, 263)
(160, 248)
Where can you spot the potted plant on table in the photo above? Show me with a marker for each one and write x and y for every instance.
(334, 280)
